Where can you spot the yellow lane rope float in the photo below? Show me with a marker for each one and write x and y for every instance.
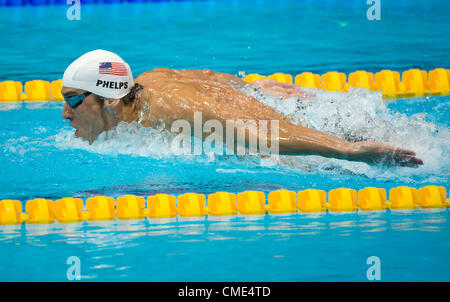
(413, 83)
(70, 209)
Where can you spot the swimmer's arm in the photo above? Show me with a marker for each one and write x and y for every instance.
(280, 89)
(299, 140)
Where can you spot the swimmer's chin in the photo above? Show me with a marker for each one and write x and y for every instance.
(90, 140)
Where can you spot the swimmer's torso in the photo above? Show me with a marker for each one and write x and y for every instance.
(170, 95)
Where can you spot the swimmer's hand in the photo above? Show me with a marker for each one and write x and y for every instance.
(375, 152)
(280, 89)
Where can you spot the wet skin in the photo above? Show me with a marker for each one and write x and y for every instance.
(171, 95)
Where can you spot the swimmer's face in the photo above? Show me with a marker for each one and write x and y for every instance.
(87, 118)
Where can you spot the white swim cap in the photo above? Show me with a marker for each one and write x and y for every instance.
(101, 72)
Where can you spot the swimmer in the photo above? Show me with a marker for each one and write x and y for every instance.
(100, 92)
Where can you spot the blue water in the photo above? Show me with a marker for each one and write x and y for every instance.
(410, 246)
(41, 157)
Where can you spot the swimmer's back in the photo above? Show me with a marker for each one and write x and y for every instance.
(171, 95)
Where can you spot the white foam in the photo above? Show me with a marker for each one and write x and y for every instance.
(138, 141)
(361, 114)
(126, 138)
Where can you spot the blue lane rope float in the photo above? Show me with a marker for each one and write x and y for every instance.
(413, 83)
(69, 209)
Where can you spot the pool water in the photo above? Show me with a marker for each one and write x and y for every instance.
(411, 246)
(42, 158)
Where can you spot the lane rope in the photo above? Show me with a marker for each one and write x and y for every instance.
(413, 83)
(70, 209)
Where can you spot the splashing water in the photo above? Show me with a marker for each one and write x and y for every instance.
(358, 115)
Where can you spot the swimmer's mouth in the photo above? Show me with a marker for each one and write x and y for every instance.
(76, 130)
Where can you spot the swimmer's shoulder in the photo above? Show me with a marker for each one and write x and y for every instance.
(155, 73)
(168, 75)
(160, 80)
(156, 77)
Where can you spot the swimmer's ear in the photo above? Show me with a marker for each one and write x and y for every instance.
(112, 102)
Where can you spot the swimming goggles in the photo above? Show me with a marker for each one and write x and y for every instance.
(75, 100)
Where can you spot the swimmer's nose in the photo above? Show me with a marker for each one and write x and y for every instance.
(67, 112)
